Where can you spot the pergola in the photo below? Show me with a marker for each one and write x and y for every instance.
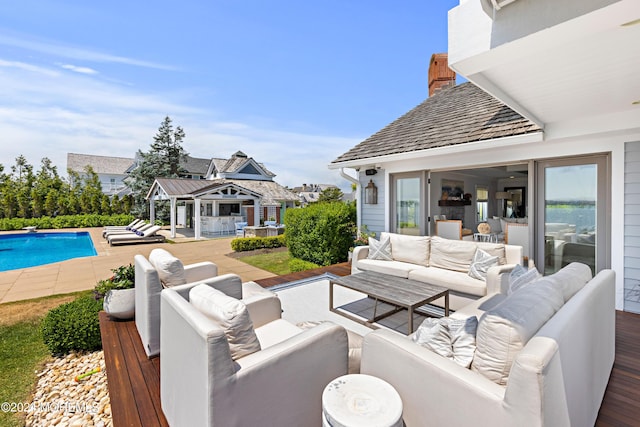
(176, 189)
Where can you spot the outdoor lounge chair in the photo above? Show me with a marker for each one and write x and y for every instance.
(280, 384)
(148, 236)
(117, 228)
(148, 285)
(142, 226)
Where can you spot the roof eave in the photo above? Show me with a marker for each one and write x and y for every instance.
(502, 142)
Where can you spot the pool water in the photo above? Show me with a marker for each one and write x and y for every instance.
(32, 249)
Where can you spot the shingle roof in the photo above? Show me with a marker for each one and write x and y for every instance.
(271, 192)
(100, 164)
(456, 115)
(194, 165)
(234, 164)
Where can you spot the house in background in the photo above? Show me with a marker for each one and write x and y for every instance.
(546, 131)
(310, 193)
(238, 189)
(111, 171)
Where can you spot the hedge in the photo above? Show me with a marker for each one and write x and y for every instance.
(65, 221)
(242, 244)
(73, 326)
(321, 233)
(296, 264)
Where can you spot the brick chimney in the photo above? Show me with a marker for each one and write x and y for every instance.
(440, 75)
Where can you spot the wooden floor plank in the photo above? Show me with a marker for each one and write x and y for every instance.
(128, 368)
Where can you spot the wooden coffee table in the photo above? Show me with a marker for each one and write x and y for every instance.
(397, 291)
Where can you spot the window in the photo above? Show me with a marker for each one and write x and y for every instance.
(482, 203)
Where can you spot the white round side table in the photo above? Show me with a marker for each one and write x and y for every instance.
(360, 400)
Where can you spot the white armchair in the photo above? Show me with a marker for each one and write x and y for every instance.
(279, 385)
(147, 296)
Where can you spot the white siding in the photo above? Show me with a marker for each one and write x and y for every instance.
(632, 227)
(373, 215)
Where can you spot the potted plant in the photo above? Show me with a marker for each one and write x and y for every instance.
(118, 292)
(361, 239)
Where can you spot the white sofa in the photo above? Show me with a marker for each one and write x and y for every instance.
(440, 262)
(279, 385)
(558, 377)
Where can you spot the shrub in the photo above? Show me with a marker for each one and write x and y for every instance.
(65, 221)
(242, 244)
(321, 233)
(296, 264)
(73, 326)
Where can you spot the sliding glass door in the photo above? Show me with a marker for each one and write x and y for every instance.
(572, 213)
(408, 205)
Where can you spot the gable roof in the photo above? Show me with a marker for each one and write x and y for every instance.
(456, 115)
(271, 192)
(194, 165)
(99, 164)
(236, 163)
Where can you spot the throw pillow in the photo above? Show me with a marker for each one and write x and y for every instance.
(434, 336)
(481, 263)
(231, 315)
(454, 339)
(169, 268)
(380, 249)
(504, 330)
(520, 277)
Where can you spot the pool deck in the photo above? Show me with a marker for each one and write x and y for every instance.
(82, 273)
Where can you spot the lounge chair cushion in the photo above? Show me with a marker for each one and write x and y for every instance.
(504, 330)
(170, 269)
(571, 279)
(231, 315)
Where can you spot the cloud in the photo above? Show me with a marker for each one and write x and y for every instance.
(70, 52)
(76, 69)
(51, 114)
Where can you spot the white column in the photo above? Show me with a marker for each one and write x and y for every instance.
(196, 226)
(152, 209)
(173, 217)
(256, 212)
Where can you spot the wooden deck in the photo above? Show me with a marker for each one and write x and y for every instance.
(134, 380)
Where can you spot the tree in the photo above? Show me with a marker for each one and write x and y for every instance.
(330, 194)
(161, 161)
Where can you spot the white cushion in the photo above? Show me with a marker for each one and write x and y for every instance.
(571, 279)
(455, 255)
(494, 249)
(504, 330)
(170, 269)
(520, 277)
(232, 316)
(380, 249)
(452, 338)
(412, 249)
(481, 263)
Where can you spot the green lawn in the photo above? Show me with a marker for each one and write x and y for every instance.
(22, 351)
(274, 262)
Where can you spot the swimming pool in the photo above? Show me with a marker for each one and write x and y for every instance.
(31, 249)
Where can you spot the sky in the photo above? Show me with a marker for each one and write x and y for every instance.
(293, 84)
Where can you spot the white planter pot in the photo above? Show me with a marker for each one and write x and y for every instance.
(120, 303)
